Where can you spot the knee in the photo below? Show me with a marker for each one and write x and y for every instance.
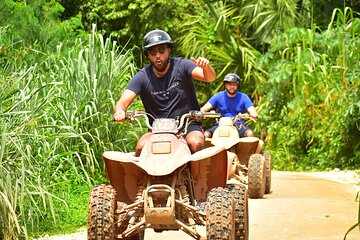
(196, 146)
(195, 142)
(207, 134)
(140, 144)
(138, 148)
(249, 133)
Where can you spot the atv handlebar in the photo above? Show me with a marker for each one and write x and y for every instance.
(194, 115)
(245, 116)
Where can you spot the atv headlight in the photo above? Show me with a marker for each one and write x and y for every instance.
(161, 147)
(224, 133)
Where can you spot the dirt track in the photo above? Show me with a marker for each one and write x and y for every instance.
(302, 206)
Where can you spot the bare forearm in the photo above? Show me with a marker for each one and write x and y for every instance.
(209, 74)
(125, 100)
(120, 105)
(207, 107)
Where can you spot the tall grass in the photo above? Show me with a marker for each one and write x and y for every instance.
(54, 118)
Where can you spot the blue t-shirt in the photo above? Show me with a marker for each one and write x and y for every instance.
(169, 96)
(230, 107)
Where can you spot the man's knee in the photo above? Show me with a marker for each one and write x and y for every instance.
(140, 143)
(196, 146)
(195, 141)
(249, 133)
(207, 134)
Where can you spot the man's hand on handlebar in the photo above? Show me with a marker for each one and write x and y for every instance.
(254, 117)
(247, 116)
(197, 115)
(119, 116)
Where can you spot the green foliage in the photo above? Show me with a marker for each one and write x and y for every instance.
(312, 96)
(266, 19)
(70, 218)
(38, 23)
(130, 20)
(217, 36)
(72, 8)
(54, 128)
(29, 30)
(57, 89)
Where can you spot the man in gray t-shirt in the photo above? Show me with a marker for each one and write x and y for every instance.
(166, 86)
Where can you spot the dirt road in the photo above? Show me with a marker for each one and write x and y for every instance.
(302, 206)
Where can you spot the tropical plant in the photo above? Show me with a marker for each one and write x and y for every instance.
(312, 96)
(217, 35)
(266, 19)
(38, 23)
(128, 20)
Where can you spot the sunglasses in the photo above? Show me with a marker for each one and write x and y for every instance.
(160, 50)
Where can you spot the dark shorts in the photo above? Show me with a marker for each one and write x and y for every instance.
(241, 129)
(194, 127)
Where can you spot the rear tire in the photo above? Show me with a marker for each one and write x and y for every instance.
(240, 195)
(268, 172)
(256, 176)
(220, 215)
(101, 211)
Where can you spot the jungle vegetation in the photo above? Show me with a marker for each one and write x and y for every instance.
(64, 64)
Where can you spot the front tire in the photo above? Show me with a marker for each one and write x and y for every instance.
(240, 195)
(220, 215)
(101, 213)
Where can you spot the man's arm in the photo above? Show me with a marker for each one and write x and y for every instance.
(253, 112)
(125, 100)
(204, 71)
(207, 107)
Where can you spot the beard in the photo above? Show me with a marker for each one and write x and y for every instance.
(162, 67)
(231, 93)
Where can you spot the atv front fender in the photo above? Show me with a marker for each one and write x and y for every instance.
(209, 169)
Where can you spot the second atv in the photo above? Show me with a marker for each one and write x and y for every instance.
(251, 164)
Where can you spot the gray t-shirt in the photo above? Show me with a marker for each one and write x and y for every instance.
(169, 96)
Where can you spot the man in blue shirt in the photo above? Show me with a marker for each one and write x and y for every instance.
(166, 87)
(230, 103)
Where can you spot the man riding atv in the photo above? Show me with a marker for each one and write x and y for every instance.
(168, 181)
(166, 87)
(230, 103)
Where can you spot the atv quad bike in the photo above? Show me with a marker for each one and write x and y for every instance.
(250, 165)
(168, 188)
